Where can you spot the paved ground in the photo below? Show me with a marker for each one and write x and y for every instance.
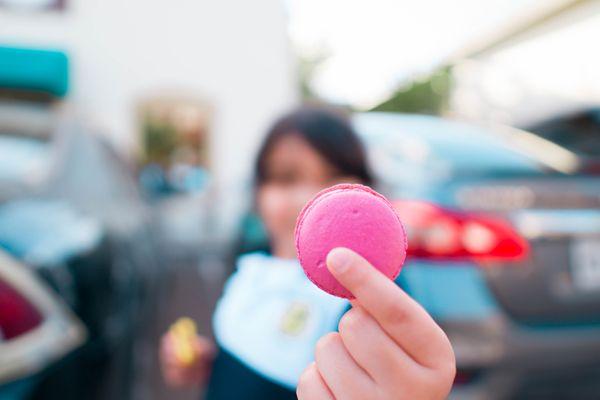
(192, 291)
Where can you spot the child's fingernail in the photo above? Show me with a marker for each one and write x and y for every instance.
(339, 260)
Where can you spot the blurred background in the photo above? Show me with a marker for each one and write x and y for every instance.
(128, 131)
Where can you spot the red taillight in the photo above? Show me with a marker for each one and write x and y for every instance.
(17, 315)
(436, 232)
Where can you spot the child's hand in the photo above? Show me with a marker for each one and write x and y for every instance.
(178, 373)
(387, 347)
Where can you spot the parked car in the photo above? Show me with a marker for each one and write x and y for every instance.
(504, 249)
(72, 218)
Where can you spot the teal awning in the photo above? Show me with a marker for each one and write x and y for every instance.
(36, 70)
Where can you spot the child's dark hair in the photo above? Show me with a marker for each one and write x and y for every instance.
(328, 132)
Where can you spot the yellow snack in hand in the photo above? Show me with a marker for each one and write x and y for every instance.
(183, 332)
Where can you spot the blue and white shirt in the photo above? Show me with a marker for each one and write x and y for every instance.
(266, 325)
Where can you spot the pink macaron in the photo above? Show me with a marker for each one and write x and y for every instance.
(352, 216)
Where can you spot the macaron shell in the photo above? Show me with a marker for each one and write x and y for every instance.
(352, 216)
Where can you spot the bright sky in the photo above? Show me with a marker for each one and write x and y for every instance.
(374, 45)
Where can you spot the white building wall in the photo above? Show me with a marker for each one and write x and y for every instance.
(233, 53)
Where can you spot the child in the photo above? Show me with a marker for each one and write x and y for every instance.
(272, 322)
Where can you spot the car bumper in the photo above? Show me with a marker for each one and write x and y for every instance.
(498, 357)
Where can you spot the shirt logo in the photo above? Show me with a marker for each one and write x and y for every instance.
(294, 319)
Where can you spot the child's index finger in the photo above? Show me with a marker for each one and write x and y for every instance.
(398, 314)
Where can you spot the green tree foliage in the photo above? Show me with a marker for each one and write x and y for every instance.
(422, 96)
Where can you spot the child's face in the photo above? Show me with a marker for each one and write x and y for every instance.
(295, 172)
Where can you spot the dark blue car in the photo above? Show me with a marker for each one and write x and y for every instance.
(504, 243)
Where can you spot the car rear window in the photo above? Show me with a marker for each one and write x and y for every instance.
(443, 147)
